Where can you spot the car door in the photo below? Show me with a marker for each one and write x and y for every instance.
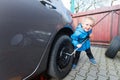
(25, 29)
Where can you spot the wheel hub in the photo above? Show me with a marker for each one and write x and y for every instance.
(63, 59)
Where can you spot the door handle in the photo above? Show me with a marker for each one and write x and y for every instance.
(48, 4)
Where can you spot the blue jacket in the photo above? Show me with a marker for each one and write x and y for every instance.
(79, 36)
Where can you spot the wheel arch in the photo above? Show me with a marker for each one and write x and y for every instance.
(67, 30)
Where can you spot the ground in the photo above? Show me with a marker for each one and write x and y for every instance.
(106, 68)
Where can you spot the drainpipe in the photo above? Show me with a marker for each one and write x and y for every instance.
(72, 6)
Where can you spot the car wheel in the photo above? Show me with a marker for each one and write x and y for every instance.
(113, 48)
(61, 63)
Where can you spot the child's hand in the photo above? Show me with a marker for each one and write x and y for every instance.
(91, 36)
(79, 45)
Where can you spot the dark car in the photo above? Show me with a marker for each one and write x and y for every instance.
(34, 39)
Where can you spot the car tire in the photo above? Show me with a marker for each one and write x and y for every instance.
(113, 48)
(61, 63)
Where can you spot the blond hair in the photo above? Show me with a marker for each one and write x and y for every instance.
(89, 18)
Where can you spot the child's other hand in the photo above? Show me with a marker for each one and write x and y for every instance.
(91, 36)
(79, 45)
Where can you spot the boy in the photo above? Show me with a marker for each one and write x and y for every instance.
(83, 32)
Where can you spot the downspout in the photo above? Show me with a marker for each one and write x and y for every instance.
(111, 26)
(72, 6)
(119, 24)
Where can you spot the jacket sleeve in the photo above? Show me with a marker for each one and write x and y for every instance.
(74, 37)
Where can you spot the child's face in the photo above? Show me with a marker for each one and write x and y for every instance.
(87, 24)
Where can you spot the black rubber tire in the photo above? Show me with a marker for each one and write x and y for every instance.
(61, 63)
(113, 48)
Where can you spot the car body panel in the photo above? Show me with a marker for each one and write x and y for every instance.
(26, 28)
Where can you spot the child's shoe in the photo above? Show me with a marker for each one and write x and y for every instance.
(93, 61)
(74, 66)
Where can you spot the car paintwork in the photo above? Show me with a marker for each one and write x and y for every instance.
(27, 29)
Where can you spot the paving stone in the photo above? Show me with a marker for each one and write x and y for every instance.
(92, 73)
(102, 73)
(102, 67)
(73, 73)
(109, 62)
(102, 77)
(102, 60)
(118, 67)
(82, 73)
(79, 77)
(94, 67)
(114, 78)
(77, 68)
(85, 68)
(112, 72)
(111, 67)
(87, 63)
(80, 64)
(90, 78)
(118, 72)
